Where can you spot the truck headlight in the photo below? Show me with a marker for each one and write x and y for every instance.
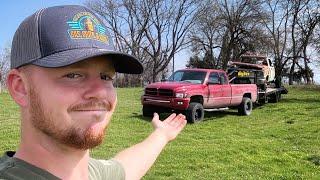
(181, 95)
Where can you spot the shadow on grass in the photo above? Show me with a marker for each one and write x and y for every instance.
(207, 116)
(315, 159)
(218, 114)
(141, 117)
(308, 88)
(300, 100)
(162, 116)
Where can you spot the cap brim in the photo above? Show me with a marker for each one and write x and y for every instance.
(123, 63)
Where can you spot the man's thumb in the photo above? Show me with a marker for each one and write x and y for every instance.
(155, 120)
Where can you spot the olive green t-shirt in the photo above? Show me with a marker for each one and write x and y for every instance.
(17, 169)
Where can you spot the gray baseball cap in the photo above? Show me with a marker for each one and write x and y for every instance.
(62, 35)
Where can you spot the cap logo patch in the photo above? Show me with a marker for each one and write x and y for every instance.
(86, 26)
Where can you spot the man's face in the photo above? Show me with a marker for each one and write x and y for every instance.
(72, 105)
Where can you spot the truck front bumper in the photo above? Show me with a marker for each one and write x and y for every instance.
(171, 103)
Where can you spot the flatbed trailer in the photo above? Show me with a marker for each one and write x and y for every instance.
(272, 95)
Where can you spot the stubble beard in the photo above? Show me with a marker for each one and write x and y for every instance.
(74, 137)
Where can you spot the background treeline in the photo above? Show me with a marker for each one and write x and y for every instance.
(214, 31)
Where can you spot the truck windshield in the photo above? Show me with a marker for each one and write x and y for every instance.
(196, 77)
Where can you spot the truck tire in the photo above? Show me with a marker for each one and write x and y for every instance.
(245, 108)
(195, 112)
(147, 111)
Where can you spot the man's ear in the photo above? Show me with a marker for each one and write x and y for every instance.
(17, 87)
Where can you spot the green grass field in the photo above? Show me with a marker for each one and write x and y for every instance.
(277, 141)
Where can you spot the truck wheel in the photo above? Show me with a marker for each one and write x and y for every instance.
(195, 112)
(148, 111)
(245, 107)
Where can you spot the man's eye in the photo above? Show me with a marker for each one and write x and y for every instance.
(73, 75)
(106, 77)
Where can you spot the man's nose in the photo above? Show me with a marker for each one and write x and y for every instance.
(98, 88)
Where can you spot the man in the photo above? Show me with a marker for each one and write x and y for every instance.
(62, 67)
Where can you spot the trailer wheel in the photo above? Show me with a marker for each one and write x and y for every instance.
(195, 112)
(245, 108)
(274, 98)
(148, 111)
(278, 82)
(262, 101)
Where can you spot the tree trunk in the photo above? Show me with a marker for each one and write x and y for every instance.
(154, 74)
(278, 67)
(225, 51)
(307, 74)
(291, 73)
(296, 6)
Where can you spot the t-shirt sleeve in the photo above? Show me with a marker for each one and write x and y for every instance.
(105, 169)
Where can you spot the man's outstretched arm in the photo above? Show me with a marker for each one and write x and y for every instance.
(137, 159)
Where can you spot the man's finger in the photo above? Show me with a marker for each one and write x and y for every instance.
(155, 116)
(170, 118)
(155, 120)
(176, 121)
(182, 123)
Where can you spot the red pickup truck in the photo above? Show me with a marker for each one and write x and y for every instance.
(191, 91)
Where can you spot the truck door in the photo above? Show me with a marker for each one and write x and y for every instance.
(215, 91)
(225, 90)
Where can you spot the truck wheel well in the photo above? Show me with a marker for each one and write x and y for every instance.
(248, 95)
(198, 99)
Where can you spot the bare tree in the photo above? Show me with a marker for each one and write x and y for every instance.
(152, 30)
(126, 26)
(170, 22)
(308, 20)
(241, 28)
(4, 66)
(229, 29)
(276, 27)
(205, 37)
(303, 19)
(291, 27)
(296, 7)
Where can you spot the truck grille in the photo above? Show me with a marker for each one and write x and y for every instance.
(151, 91)
(165, 92)
(159, 92)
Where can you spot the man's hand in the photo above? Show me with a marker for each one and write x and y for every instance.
(171, 126)
(137, 159)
